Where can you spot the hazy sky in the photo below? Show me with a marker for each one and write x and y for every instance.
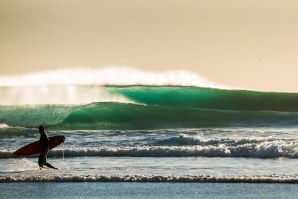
(245, 43)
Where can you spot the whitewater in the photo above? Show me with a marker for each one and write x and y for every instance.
(125, 125)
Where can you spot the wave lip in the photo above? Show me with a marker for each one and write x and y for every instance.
(153, 178)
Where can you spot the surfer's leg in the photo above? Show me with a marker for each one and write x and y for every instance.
(49, 165)
(41, 160)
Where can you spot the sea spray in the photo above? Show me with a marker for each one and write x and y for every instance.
(106, 76)
(57, 95)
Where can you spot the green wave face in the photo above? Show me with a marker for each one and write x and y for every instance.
(132, 116)
(162, 107)
(210, 98)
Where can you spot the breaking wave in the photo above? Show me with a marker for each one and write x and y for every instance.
(148, 107)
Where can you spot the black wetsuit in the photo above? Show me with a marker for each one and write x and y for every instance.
(45, 148)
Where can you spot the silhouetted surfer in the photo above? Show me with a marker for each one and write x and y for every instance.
(45, 149)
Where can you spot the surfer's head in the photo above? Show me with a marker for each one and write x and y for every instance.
(41, 128)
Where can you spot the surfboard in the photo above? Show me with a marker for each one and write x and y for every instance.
(35, 147)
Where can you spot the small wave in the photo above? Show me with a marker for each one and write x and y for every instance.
(4, 153)
(262, 150)
(187, 140)
(153, 178)
(202, 141)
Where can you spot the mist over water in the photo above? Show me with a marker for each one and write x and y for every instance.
(68, 86)
(107, 76)
(54, 94)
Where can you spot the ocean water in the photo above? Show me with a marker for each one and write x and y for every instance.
(150, 133)
(147, 190)
(160, 134)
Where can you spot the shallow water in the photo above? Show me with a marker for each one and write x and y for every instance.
(148, 190)
(152, 165)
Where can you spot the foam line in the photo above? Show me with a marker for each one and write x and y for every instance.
(153, 178)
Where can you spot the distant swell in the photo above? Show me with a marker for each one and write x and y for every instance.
(152, 178)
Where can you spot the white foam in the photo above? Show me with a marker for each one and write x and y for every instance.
(4, 126)
(203, 141)
(153, 178)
